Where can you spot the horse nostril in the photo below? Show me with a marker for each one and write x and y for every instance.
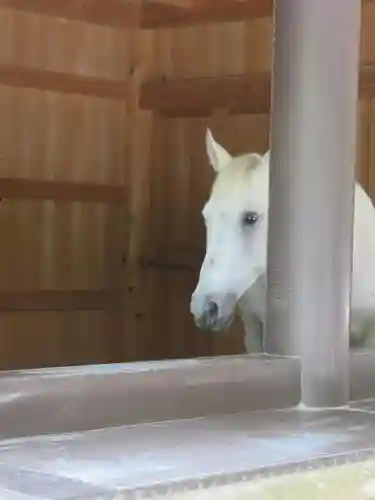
(213, 310)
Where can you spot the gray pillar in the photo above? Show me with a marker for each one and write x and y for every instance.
(313, 133)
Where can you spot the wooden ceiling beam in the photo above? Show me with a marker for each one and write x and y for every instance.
(247, 93)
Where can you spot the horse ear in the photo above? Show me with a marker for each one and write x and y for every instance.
(217, 155)
(266, 156)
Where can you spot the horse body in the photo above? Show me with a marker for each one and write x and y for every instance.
(233, 274)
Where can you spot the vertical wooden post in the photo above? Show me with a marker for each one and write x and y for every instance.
(313, 134)
(137, 162)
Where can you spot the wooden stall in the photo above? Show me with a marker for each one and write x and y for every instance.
(103, 170)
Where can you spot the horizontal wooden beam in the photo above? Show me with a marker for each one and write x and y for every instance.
(116, 13)
(29, 189)
(181, 4)
(69, 83)
(162, 15)
(246, 93)
(173, 259)
(153, 14)
(194, 95)
(60, 300)
(159, 14)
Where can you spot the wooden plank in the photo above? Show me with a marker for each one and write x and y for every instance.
(245, 93)
(116, 13)
(196, 95)
(367, 81)
(163, 14)
(28, 77)
(29, 189)
(60, 300)
(155, 13)
(182, 4)
(137, 145)
(188, 259)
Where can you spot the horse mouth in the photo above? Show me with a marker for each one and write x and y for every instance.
(220, 326)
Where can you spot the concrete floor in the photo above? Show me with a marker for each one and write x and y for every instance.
(155, 457)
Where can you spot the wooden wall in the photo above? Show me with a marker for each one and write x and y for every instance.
(64, 183)
(100, 217)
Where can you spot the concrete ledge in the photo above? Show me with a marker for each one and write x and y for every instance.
(57, 400)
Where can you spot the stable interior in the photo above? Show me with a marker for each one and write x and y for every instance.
(108, 390)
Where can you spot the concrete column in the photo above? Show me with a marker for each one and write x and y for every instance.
(313, 133)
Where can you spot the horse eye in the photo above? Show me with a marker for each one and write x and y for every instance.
(249, 218)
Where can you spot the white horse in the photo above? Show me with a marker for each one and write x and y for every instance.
(232, 277)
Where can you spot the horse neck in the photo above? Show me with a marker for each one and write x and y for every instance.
(253, 324)
(253, 300)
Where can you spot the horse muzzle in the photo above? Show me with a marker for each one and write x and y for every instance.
(213, 313)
